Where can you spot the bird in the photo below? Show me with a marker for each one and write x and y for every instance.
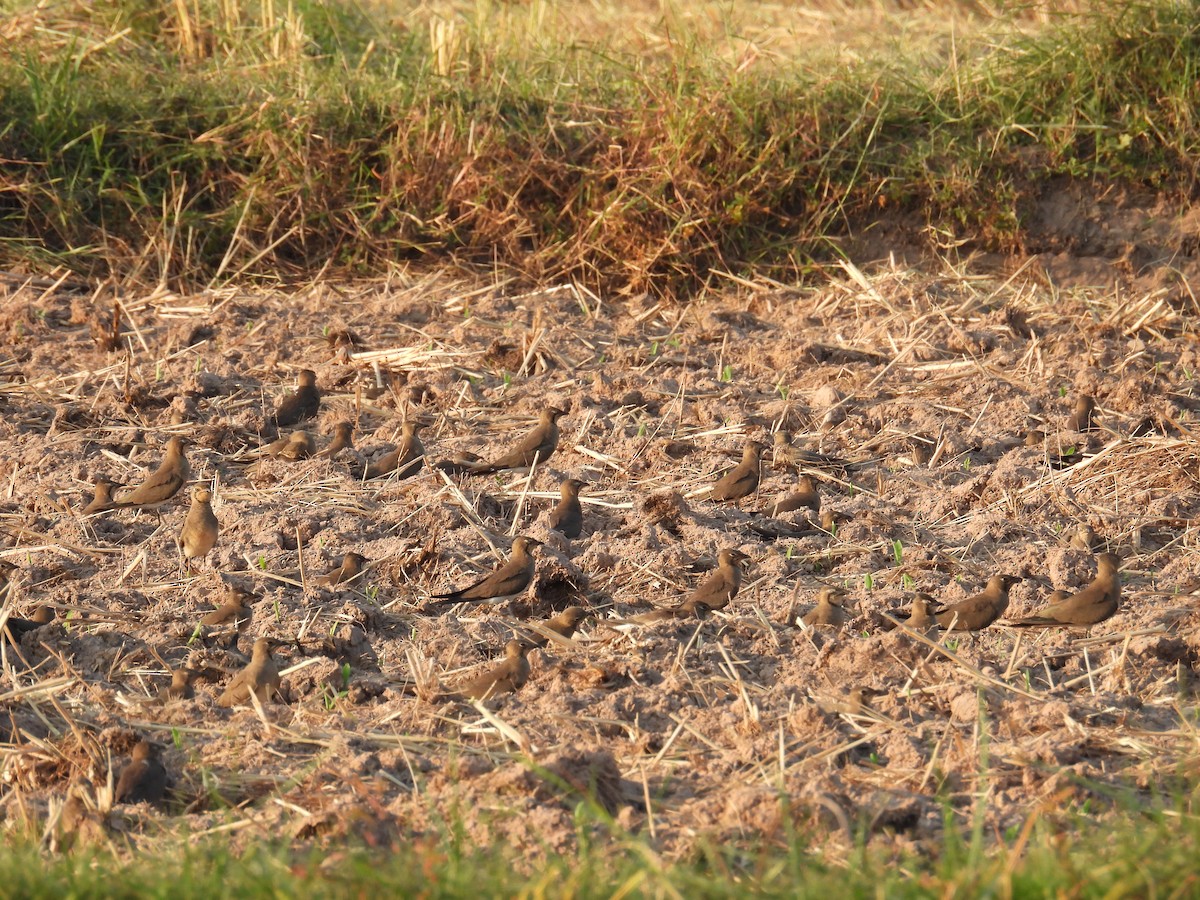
(407, 459)
(830, 611)
(784, 453)
(180, 687)
(567, 517)
(301, 404)
(1084, 538)
(260, 677)
(18, 627)
(1091, 605)
(199, 533)
(742, 480)
(506, 678)
(563, 624)
(538, 444)
(235, 610)
(921, 618)
(804, 497)
(510, 579)
(343, 439)
(102, 495)
(715, 592)
(78, 823)
(8, 571)
(299, 445)
(980, 610)
(1081, 416)
(163, 483)
(144, 778)
(350, 568)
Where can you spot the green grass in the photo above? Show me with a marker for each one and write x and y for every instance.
(187, 150)
(141, 145)
(1129, 855)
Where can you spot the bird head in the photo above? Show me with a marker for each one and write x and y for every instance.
(524, 544)
(573, 615)
(306, 378)
(833, 596)
(572, 486)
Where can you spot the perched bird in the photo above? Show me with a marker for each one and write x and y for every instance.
(980, 610)
(260, 677)
(506, 678)
(234, 611)
(508, 580)
(538, 444)
(922, 618)
(144, 779)
(299, 445)
(567, 517)
(102, 495)
(715, 592)
(804, 497)
(180, 687)
(742, 480)
(78, 823)
(1081, 416)
(830, 611)
(163, 483)
(351, 568)
(407, 459)
(199, 533)
(1095, 603)
(18, 627)
(563, 624)
(1084, 538)
(784, 453)
(7, 572)
(1035, 438)
(301, 404)
(343, 439)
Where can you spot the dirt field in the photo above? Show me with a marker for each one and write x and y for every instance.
(683, 731)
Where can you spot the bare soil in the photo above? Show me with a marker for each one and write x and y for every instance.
(737, 728)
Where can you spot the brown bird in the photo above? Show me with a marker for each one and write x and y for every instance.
(508, 580)
(1095, 603)
(234, 611)
(1035, 438)
(407, 459)
(199, 533)
(784, 453)
(180, 687)
(506, 678)
(980, 610)
(102, 496)
(1081, 416)
(18, 627)
(350, 569)
(922, 618)
(343, 439)
(299, 445)
(830, 611)
(538, 444)
(78, 823)
(7, 574)
(567, 517)
(715, 592)
(563, 624)
(144, 779)
(804, 497)
(163, 483)
(302, 404)
(742, 480)
(260, 677)
(1084, 538)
